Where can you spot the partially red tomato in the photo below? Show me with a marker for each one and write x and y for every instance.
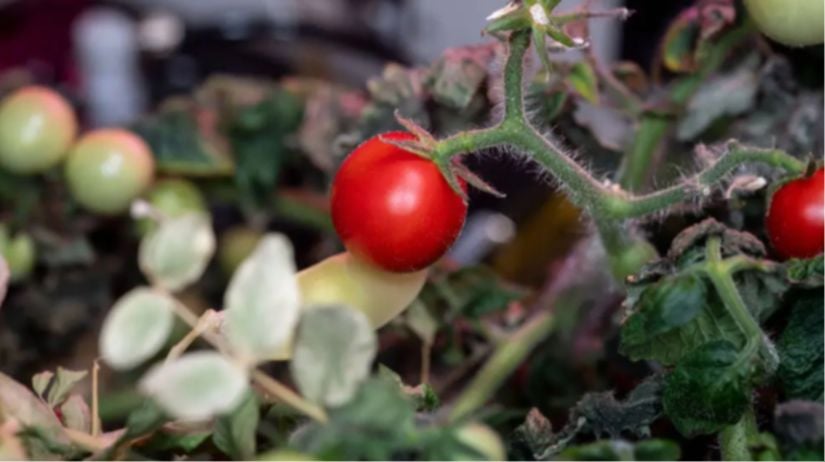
(796, 217)
(394, 208)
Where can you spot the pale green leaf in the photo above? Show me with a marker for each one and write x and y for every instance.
(136, 327)
(40, 382)
(196, 386)
(64, 380)
(262, 301)
(234, 433)
(76, 414)
(333, 352)
(17, 402)
(176, 253)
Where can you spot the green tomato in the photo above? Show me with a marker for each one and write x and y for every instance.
(107, 169)
(343, 279)
(791, 22)
(19, 252)
(482, 439)
(236, 244)
(37, 126)
(172, 198)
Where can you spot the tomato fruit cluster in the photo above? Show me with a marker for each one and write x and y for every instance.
(107, 169)
(796, 217)
(37, 126)
(394, 208)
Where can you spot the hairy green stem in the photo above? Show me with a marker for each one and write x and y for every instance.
(501, 364)
(722, 281)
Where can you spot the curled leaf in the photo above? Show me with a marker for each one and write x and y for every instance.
(176, 253)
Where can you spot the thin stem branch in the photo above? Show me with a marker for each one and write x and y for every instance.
(95, 399)
(513, 69)
(267, 383)
(734, 440)
(501, 364)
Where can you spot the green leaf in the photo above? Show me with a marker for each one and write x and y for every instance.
(668, 347)
(455, 79)
(258, 134)
(801, 348)
(383, 419)
(63, 382)
(261, 304)
(606, 415)
(76, 414)
(17, 402)
(722, 95)
(41, 382)
(583, 79)
(196, 386)
(657, 449)
(808, 273)
(141, 422)
(185, 440)
(234, 433)
(332, 355)
(599, 450)
(136, 328)
(472, 291)
(175, 254)
(181, 147)
(670, 303)
(420, 321)
(679, 41)
(707, 390)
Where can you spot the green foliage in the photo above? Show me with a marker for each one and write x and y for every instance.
(801, 348)
(618, 449)
(259, 136)
(472, 291)
(708, 389)
(234, 433)
(181, 146)
(333, 352)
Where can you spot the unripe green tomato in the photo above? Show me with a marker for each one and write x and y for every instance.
(236, 244)
(343, 279)
(19, 252)
(37, 126)
(632, 258)
(483, 439)
(107, 169)
(172, 197)
(791, 22)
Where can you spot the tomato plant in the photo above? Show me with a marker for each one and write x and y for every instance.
(394, 208)
(796, 217)
(173, 197)
(107, 169)
(37, 126)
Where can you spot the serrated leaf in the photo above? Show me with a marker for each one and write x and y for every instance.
(454, 80)
(40, 382)
(234, 433)
(181, 146)
(722, 95)
(707, 390)
(76, 414)
(807, 273)
(669, 303)
(136, 328)
(332, 355)
(261, 304)
(583, 79)
(175, 254)
(605, 414)
(19, 403)
(196, 386)
(63, 382)
(801, 349)
(421, 322)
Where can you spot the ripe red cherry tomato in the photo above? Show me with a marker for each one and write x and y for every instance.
(394, 208)
(796, 217)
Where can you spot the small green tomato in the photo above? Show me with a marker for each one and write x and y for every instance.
(37, 126)
(172, 197)
(791, 22)
(482, 439)
(19, 252)
(107, 169)
(236, 244)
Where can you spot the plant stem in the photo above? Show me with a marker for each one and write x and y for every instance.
(734, 440)
(513, 80)
(501, 364)
(726, 288)
(646, 140)
(267, 383)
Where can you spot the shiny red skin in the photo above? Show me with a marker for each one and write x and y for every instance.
(796, 217)
(394, 208)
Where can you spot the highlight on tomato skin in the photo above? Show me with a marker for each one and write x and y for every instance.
(796, 217)
(394, 208)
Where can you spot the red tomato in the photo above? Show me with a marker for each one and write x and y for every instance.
(796, 218)
(394, 208)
